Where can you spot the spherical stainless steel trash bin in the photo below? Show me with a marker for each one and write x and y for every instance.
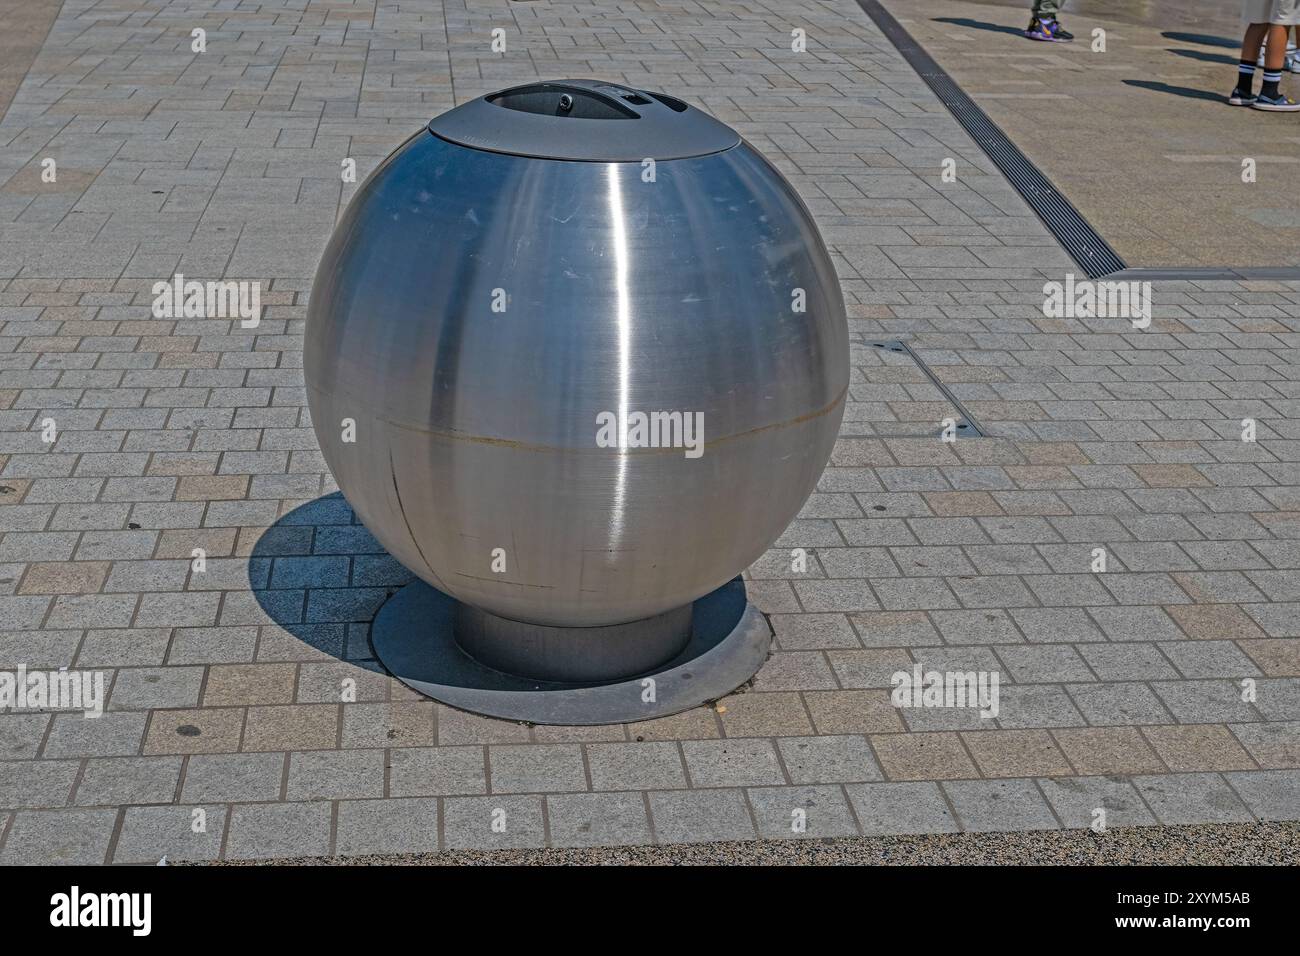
(575, 355)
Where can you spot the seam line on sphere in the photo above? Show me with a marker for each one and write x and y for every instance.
(533, 446)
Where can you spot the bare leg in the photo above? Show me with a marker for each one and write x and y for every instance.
(1275, 52)
(1254, 40)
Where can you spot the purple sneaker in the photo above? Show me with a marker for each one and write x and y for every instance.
(1048, 31)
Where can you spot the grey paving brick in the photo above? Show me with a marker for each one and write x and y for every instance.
(1270, 794)
(829, 759)
(54, 649)
(1069, 590)
(802, 812)
(268, 830)
(324, 682)
(1209, 659)
(869, 668)
(496, 822)
(598, 819)
(1204, 701)
(30, 783)
(428, 771)
(335, 774)
(1274, 744)
(887, 809)
(178, 610)
(838, 595)
(1044, 663)
(886, 629)
(1278, 699)
(407, 724)
(66, 837)
(211, 645)
(915, 594)
(1135, 623)
(177, 833)
(649, 765)
(407, 825)
(233, 778)
(730, 763)
(1056, 625)
(149, 688)
(1077, 800)
(996, 805)
(1191, 798)
(131, 647)
(1107, 705)
(1134, 588)
(813, 631)
(795, 670)
(1135, 661)
(110, 735)
(538, 768)
(21, 735)
(700, 816)
(976, 627)
(1036, 706)
(113, 781)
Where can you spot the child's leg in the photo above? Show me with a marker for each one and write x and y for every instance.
(1275, 52)
(1254, 40)
(1046, 9)
(1242, 94)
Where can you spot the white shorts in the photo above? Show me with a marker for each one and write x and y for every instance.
(1286, 12)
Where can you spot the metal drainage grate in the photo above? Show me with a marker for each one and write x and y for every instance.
(967, 426)
(1071, 230)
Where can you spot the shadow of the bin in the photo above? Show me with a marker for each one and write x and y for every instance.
(322, 577)
(319, 574)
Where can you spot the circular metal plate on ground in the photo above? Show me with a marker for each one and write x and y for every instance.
(412, 636)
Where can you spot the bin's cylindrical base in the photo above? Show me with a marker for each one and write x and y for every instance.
(478, 662)
(572, 654)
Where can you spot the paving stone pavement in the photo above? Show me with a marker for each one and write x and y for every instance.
(1164, 689)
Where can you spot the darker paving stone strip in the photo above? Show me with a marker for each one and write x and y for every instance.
(27, 24)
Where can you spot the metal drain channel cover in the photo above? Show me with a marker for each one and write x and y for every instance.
(967, 426)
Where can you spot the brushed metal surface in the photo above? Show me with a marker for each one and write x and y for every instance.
(587, 654)
(476, 429)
